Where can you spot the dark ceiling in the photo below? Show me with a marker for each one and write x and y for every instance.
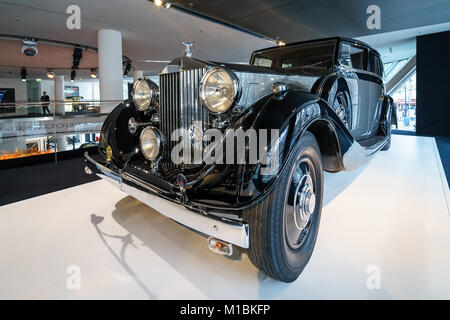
(297, 20)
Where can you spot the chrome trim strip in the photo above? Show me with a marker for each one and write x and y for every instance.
(348, 69)
(234, 233)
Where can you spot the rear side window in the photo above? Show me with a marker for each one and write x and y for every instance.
(375, 64)
(352, 56)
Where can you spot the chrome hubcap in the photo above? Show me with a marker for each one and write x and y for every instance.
(304, 202)
(340, 109)
(300, 203)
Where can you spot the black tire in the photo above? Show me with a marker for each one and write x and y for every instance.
(388, 144)
(270, 249)
(387, 129)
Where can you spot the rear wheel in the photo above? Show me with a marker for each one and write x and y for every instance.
(284, 226)
(341, 105)
(387, 129)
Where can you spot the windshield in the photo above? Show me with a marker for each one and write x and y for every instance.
(311, 55)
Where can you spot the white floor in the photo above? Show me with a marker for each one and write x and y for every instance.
(390, 219)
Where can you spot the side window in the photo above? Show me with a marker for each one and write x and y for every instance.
(352, 56)
(379, 66)
(380, 63)
(374, 65)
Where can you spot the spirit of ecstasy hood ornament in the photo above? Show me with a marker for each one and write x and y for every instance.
(187, 48)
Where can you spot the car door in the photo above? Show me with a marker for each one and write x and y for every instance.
(352, 63)
(376, 92)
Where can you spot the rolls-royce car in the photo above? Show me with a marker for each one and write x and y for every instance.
(236, 152)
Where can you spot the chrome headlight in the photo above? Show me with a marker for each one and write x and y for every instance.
(219, 89)
(145, 93)
(150, 141)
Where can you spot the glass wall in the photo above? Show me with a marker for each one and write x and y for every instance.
(405, 100)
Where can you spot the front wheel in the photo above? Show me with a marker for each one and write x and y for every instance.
(284, 226)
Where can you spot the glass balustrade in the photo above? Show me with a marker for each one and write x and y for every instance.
(35, 129)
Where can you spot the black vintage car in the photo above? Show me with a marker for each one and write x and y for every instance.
(323, 106)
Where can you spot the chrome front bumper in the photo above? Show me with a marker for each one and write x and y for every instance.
(233, 233)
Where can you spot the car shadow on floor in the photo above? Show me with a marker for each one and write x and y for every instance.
(126, 240)
(335, 183)
(187, 251)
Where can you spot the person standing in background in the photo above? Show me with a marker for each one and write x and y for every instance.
(45, 98)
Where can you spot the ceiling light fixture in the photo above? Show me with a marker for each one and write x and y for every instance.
(93, 73)
(23, 74)
(281, 43)
(29, 47)
(160, 3)
(50, 74)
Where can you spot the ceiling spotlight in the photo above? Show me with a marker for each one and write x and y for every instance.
(50, 74)
(93, 73)
(127, 68)
(29, 47)
(73, 74)
(160, 3)
(23, 74)
(281, 43)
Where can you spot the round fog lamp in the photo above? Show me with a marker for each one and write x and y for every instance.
(132, 126)
(150, 141)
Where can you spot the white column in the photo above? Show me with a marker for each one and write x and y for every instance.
(59, 94)
(110, 67)
(137, 74)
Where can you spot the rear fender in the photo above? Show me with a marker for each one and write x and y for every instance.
(388, 115)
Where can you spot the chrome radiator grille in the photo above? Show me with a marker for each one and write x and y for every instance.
(180, 104)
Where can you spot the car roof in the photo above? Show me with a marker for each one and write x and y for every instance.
(358, 42)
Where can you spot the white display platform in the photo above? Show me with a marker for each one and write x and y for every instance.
(392, 217)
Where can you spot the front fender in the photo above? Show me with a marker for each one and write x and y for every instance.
(242, 184)
(290, 114)
(115, 134)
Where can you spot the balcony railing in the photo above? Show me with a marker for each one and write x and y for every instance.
(33, 129)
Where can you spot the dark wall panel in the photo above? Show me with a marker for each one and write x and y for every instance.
(433, 84)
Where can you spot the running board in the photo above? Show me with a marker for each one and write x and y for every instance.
(361, 152)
